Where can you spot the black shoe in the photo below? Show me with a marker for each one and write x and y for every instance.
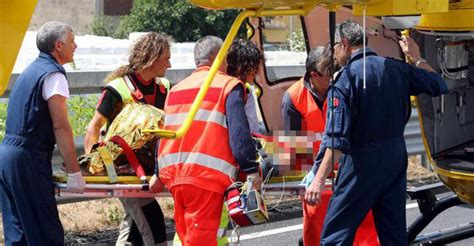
(300, 242)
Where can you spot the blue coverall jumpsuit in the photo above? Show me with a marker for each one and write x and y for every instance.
(368, 129)
(30, 214)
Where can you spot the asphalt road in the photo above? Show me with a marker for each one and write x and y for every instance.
(286, 225)
(289, 230)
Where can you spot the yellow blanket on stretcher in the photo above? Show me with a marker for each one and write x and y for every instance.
(129, 125)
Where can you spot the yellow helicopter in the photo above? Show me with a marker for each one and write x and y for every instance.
(445, 33)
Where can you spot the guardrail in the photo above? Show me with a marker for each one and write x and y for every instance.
(90, 82)
(413, 139)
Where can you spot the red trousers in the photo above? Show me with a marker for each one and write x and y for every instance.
(313, 219)
(197, 214)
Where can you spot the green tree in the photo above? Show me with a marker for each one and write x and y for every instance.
(297, 42)
(105, 25)
(178, 18)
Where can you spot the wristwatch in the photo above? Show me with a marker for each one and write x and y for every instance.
(419, 61)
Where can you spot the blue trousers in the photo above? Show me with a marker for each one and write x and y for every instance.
(368, 180)
(30, 214)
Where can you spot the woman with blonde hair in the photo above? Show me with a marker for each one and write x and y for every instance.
(138, 81)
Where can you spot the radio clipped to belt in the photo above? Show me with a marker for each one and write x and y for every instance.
(246, 206)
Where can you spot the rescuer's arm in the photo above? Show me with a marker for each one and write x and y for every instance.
(308, 179)
(421, 81)
(155, 183)
(338, 119)
(336, 141)
(314, 191)
(291, 117)
(424, 79)
(105, 110)
(412, 51)
(65, 141)
(240, 140)
(319, 158)
(93, 131)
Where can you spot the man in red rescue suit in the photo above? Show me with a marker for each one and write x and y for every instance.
(143, 222)
(198, 167)
(304, 110)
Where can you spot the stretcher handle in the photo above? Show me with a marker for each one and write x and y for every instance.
(105, 186)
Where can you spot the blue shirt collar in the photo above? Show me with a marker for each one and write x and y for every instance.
(44, 55)
(47, 56)
(358, 53)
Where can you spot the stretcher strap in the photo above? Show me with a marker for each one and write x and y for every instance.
(109, 164)
(131, 157)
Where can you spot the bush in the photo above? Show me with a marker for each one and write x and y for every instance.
(105, 25)
(98, 27)
(178, 18)
(81, 110)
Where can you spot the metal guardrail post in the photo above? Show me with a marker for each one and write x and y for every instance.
(412, 134)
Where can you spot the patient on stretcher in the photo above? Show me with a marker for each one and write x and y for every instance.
(128, 125)
(125, 137)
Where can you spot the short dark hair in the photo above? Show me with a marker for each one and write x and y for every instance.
(243, 57)
(313, 58)
(326, 62)
(319, 60)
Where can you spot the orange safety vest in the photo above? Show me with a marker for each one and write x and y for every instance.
(202, 157)
(314, 119)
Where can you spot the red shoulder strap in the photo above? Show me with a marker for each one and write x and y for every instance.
(131, 157)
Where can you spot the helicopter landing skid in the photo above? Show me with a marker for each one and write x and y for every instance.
(430, 207)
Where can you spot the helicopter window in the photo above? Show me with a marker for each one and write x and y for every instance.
(284, 45)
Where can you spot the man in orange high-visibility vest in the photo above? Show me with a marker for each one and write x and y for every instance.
(198, 167)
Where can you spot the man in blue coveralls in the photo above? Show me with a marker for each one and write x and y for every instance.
(364, 131)
(37, 119)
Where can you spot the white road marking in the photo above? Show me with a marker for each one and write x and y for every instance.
(292, 228)
(271, 232)
(411, 205)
